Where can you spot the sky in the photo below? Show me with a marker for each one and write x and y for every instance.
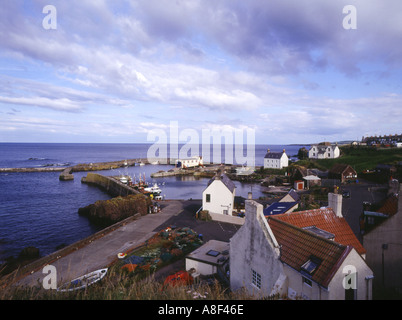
(289, 71)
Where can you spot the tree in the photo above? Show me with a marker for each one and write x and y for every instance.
(302, 154)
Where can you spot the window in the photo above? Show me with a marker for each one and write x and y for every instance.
(307, 282)
(213, 253)
(256, 279)
(208, 199)
(311, 265)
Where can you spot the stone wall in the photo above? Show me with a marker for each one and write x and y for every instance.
(111, 186)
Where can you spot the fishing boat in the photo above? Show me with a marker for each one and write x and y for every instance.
(123, 179)
(155, 190)
(83, 281)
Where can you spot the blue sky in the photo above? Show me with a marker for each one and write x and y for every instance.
(113, 71)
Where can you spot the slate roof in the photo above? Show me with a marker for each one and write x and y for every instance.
(225, 179)
(278, 208)
(325, 219)
(295, 196)
(273, 155)
(300, 247)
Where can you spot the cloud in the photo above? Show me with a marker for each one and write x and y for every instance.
(55, 104)
(271, 65)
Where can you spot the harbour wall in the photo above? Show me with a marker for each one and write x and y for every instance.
(111, 186)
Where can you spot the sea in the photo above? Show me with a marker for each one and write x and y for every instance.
(39, 210)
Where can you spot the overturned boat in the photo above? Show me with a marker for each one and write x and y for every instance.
(83, 281)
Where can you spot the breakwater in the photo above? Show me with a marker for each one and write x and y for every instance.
(112, 186)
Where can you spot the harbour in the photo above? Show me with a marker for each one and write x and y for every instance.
(40, 210)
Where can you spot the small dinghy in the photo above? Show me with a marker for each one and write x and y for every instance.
(83, 281)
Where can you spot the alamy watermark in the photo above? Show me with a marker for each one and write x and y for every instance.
(350, 279)
(236, 142)
(49, 22)
(50, 280)
(350, 20)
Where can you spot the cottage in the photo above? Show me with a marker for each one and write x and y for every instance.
(269, 257)
(218, 197)
(342, 172)
(211, 258)
(288, 203)
(291, 196)
(189, 163)
(324, 151)
(276, 160)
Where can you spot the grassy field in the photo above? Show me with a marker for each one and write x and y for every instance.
(363, 158)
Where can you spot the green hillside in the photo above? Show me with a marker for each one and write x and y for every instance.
(363, 158)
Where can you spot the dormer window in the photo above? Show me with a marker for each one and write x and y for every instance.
(310, 266)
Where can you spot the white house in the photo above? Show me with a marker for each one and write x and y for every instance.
(210, 258)
(270, 256)
(276, 160)
(189, 163)
(324, 151)
(218, 196)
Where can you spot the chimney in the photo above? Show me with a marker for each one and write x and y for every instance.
(284, 150)
(268, 150)
(335, 202)
(250, 196)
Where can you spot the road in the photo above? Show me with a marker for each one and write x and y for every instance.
(103, 251)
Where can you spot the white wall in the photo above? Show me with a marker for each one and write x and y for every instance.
(335, 290)
(221, 198)
(200, 267)
(283, 162)
(254, 247)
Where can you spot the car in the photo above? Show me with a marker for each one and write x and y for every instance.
(346, 194)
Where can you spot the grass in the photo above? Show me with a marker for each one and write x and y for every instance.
(124, 286)
(362, 158)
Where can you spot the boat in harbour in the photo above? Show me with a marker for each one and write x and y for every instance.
(155, 190)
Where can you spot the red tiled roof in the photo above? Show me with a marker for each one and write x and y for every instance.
(327, 220)
(299, 246)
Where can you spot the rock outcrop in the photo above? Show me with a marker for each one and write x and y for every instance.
(108, 212)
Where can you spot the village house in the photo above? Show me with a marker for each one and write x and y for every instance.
(210, 259)
(189, 163)
(276, 160)
(383, 242)
(286, 204)
(218, 197)
(342, 172)
(272, 257)
(324, 151)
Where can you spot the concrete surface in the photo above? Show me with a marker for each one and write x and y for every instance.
(103, 251)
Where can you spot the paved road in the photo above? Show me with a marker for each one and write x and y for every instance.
(103, 251)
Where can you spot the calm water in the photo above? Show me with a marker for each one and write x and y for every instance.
(37, 209)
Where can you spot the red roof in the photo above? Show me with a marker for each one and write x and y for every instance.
(315, 257)
(325, 219)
